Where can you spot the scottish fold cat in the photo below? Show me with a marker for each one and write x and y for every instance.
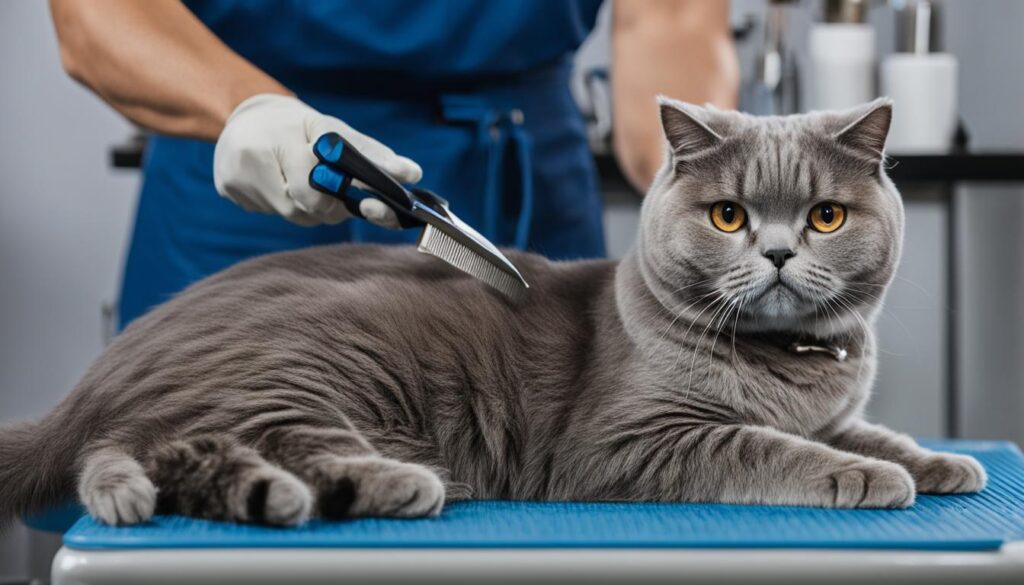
(727, 358)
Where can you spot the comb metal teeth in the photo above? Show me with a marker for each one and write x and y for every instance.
(437, 243)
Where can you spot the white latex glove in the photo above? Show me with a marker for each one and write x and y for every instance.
(265, 153)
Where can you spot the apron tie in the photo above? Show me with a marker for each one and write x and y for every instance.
(520, 138)
(497, 131)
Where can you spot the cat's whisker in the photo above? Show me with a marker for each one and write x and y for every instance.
(917, 286)
(718, 331)
(735, 323)
(817, 314)
(853, 287)
(831, 309)
(689, 286)
(709, 305)
(828, 316)
(674, 309)
(721, 302)
(694, 322)
(663, 308)
(895, 318)
(849, 303)
(881, 306)
(733, 280)
(839, 302)
(866, 333)
(678, 314)
(725, 317)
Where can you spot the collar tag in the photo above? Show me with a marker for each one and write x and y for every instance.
(839, 353)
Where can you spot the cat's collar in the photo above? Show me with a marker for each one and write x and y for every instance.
(839, 353)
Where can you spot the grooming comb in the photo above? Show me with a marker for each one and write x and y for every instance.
(444, 235)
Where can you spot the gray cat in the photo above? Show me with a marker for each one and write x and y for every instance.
(349, 381)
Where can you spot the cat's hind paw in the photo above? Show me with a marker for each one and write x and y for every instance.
(408, 491)
(378, 487)
(118, 503)
(946, 473)
(279, 500)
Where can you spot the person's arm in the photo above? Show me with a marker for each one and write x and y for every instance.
(162, 68)
(156, 63)
(680, 48)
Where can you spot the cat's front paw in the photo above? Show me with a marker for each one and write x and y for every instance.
(872, 484)
(946, 473)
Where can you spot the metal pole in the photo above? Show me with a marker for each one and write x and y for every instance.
(953, 429)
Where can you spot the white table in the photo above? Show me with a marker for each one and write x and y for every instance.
(494, 566)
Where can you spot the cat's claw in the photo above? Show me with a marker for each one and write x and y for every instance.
(872, 484)
(946, 473)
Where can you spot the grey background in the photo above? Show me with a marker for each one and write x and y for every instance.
(65, 218)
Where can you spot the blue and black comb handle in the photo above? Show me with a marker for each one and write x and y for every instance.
(340, 163)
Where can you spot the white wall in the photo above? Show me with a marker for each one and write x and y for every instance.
(988, 39)
(64, 218)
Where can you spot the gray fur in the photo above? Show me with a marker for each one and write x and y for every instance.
(213, 477)
(386, 381)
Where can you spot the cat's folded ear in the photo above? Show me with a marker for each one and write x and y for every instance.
(688, 135)
(867, 130)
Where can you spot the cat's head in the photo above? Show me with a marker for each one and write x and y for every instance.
(776, 223)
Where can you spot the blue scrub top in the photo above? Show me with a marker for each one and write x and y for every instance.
(475, 91)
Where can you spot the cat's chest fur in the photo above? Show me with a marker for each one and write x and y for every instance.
(759, 381)
(803, 394)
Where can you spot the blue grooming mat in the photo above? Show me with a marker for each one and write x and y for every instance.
(971, 522)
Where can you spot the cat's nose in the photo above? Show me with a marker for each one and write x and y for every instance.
(779, 256)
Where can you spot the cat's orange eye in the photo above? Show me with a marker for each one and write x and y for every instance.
(728, 216)
(826, 217)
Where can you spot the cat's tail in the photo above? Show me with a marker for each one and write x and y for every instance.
(37, 468)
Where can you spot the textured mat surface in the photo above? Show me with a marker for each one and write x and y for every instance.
(975, 522)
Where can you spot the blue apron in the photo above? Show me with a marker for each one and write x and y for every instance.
(475, 91)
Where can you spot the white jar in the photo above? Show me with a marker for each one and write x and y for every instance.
(842, 62)
(923, 88)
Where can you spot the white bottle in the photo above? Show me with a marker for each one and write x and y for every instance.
(842, 56)
(923, 91)
(922, 85)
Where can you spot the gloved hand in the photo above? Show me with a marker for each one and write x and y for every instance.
(265, 153)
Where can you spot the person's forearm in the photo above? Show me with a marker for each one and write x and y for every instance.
(680, 48)
(156, 63)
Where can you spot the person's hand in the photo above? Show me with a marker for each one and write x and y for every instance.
(265, 153)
